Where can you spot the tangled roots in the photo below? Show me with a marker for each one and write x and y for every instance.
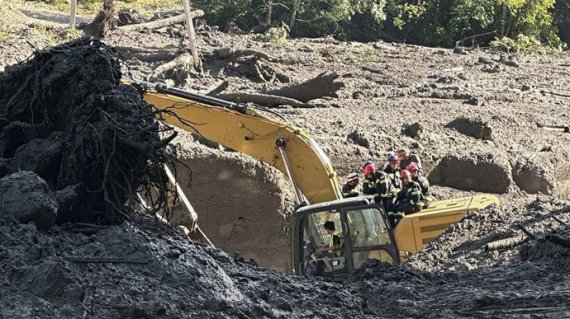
(65, 115)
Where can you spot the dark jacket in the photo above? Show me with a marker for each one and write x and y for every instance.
(411, 158)
(394, 176)
(424, 185)
(348, 191)
(379, 186)
(411, 194)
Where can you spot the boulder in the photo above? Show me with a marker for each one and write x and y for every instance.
(473, 173)
(26, 197)
(474, 127)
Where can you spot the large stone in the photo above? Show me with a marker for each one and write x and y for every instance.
(478, 173)
(473, 127)
(42, 156)
(415, 130)
(358, 138)
(532, 178)
(26, 197)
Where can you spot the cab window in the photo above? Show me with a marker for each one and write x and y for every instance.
(323, 245)
(369, 236)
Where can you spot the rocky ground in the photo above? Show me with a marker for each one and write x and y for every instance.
(477, 115)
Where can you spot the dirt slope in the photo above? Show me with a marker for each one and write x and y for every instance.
(478, 115)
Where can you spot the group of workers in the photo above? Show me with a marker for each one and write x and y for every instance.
(398, 185)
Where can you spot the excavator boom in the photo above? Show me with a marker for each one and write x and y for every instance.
(241, 128)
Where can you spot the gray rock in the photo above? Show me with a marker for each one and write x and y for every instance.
(26, 197)
(474, 127)
(415, 130)
(358, 138)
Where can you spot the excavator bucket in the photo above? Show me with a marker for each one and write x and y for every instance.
(414, 231)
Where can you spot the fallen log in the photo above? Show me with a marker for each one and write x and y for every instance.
(147, 54)
(506, 243)
(320, 86)
(263, 99)
(161, 22)
(218, 89)
(225, 53)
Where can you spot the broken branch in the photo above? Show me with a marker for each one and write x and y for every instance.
(320, 86)
(147, 54)
(505, 243)
(160, 23)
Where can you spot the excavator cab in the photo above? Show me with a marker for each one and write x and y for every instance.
(360, 224)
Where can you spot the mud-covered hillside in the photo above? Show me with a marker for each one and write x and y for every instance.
(471, 114)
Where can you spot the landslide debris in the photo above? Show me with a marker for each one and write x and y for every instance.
(145, 269)
(65, 115)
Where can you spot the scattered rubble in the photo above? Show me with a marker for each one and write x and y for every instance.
(144, 269)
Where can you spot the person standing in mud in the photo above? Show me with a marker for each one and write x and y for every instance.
(349, 187)
(393, 172)
(406, 158)
(409, 199)
(415, 170)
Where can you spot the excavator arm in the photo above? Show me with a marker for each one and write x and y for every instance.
(242, 128)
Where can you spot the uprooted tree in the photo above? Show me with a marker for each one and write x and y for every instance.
(66, 115)
(103, 22)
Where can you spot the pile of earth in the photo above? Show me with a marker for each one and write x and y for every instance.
(146, 269)
(456, 276)
(65, 115)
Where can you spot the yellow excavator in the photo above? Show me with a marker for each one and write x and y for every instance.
(360, 222)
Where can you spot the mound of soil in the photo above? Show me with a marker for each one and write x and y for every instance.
(65, 115)
(145, 269)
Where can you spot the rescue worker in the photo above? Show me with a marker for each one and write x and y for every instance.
(387, 162)
(378, 183)
(334, 245)
(393, 172)
(409, 199)
(349, 187)
(415, 170)
(406, 158)
(369, 182)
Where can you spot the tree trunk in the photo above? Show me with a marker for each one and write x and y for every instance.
(269, 4)
(161, 22)
(296, 5)
(104, 20)
(322, 85)
(191, 35)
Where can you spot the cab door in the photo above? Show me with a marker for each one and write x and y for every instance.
(365, 235)
(368, 236)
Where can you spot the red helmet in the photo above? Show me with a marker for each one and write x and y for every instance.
(413, 167)
(369, 169)
(405, 174)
